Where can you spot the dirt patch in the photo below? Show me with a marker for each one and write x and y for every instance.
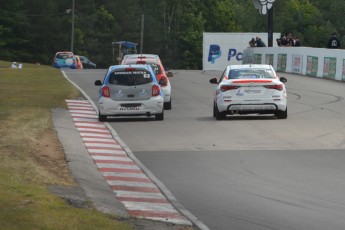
(50, 155)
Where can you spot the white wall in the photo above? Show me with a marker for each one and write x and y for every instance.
(223, 49)
(318, 62)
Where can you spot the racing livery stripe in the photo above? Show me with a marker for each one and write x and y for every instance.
(110, 178)
(108, 154)
(131, 186)
(134, 188)
(114, 162)
(83, 112)
(102, 144)
(103, 147)
(93, 135)
(147, 200)
(120, 170)
(88, 108)
(78, 115)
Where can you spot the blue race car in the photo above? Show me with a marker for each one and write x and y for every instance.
(65, 60)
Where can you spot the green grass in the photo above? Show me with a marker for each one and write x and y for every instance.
(26, 97)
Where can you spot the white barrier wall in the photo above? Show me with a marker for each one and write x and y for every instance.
(223, 49)
(317, 62)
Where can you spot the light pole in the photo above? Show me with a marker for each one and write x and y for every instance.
(72, 35)
(142, 34)
(113, 44)
(264, 7)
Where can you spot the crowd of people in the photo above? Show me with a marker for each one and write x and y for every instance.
(288, 40)
(285, 40)
(256, 42)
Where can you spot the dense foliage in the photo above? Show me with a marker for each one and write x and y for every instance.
(32, 31)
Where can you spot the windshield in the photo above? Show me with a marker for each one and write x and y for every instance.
(251, 73)
(155, 68)
(130, 77)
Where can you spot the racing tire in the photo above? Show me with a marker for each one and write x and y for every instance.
(160, 116)
(101, 117)
(219, 115)
(281, 114)
(167, 105)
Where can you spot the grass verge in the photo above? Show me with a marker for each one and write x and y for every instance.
(27, 164)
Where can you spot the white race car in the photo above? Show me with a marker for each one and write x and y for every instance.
(130, 90)
(249, 89)
(158, 68)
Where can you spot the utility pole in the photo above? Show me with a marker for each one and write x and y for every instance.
(142, 34)
(72, 35)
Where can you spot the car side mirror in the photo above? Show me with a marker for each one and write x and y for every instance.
(214, 81)
(283, 79)
(98, 82)
(170, 74)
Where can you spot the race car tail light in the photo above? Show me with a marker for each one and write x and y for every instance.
(155, 90)
(105, 91)
(279, 87)
(224, 88)
(163, 81)
(141, 62)
(130, 69)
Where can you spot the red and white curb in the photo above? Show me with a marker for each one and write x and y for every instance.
(141, 197)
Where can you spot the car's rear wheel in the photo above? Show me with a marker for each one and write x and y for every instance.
(167, 105)
(214, 109)
(160, 116)
(101, 117)
(219, 115)
(281, 114)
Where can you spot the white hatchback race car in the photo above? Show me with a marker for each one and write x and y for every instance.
(130, 90)
(249, 89)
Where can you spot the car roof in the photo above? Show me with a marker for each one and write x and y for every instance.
(155, 56)
(147, 60)
(64, 52)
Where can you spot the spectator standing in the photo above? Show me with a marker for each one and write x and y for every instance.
(259, 42)
(290, 40)
(252, 43)
(282, 41)
(14, 65)
(297, 41)
(333, 42)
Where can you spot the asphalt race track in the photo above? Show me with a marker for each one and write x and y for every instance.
(245, 172)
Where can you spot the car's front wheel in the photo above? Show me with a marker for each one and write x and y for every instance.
(281, 114)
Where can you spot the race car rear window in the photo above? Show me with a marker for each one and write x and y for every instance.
(155, 67)
(130, 77)
(64, 55)
(250, 73)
